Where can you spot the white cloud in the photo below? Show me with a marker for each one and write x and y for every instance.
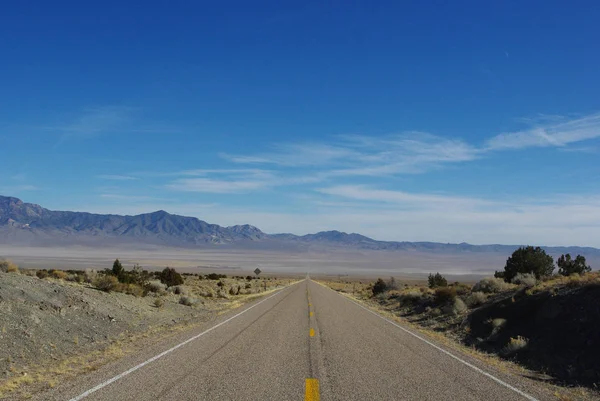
(356, 155)
(556, 131)
(215, 186)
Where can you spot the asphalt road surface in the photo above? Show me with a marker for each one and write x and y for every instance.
(304, 342)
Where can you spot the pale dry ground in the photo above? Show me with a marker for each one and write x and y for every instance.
(359, 263)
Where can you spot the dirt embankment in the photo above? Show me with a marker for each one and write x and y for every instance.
(551, 328)
(51, 327)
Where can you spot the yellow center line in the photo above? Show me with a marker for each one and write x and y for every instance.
(310, 314)
(312, 390)
(312, 332)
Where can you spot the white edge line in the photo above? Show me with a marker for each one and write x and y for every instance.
(494, 378)
(154, 358)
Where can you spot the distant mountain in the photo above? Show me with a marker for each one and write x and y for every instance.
(25, 223)
(158, 226)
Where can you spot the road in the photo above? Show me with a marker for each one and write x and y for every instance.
(304, 342)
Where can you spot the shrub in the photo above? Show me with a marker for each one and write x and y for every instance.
(155, 286)
(59, 274)
(131, 289)
(444, 295)
(526, 279)
(179, 290)
(234, 290)
(42, 273)
(159, 303)
(411, 297)
(527, 260)
(391, 284)
(170, 277)
(248, 285)
(568, 266)
(379, 287)
(77, 278)
(90, 275)
(216, 276)
(491, 285)
(106, 283)
(476, 298)
(437, 280)
(456, 307)
(187, 301)
(249, 278)
(6, 266)
(515, 344)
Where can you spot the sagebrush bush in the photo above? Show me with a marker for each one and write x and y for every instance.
(444, 295)
(410, 297)
(526, 279)
(456, 307)
(179, 290)
(6, 266)
(130, 289)
(187, 301)
(476, 298)
(106, 282)
(90, 275)
(491, 285)
(159, 303)
(59, 274)
(516, 344)
(156, 286)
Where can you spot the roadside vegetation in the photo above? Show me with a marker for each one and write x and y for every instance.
(55, 324)
(531, 313)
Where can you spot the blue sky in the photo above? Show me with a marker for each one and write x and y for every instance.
(441, 121)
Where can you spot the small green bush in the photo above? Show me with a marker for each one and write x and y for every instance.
(436, 280)
(42, 273)
(170, 277)
(568, 266)
(444, 295)
(379, 287)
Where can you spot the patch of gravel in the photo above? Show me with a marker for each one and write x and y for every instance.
(43, 320)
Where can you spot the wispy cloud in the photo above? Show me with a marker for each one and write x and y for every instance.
(355, 155)
(553, 131)
(131, 198)
(15, 189)
(116, 177)
(215, 186)
(106, 119)
(401, 198)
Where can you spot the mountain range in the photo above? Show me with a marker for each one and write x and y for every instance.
(30, 224)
